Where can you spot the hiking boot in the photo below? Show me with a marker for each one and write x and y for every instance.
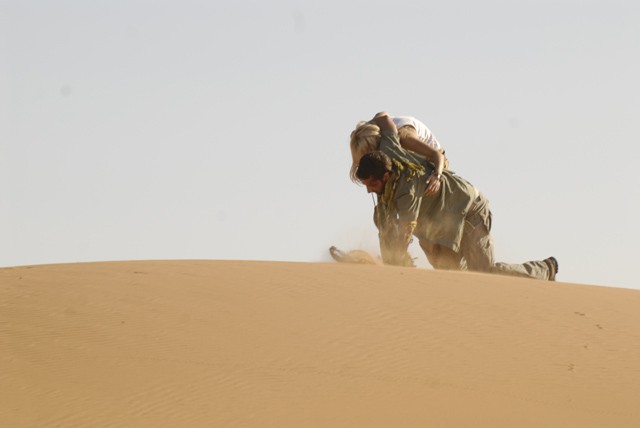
(553, 267)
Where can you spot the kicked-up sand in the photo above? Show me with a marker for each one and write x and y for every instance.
(268, 344)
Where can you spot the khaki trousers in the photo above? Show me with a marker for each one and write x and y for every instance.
(476, 249)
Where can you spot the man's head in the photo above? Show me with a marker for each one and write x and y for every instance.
(373, 171)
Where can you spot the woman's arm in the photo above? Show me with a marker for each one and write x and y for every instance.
(409, 140)
(384, 122)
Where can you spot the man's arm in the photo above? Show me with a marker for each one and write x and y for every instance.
(396, 230)
(394, 244)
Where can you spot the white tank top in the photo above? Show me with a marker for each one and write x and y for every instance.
(423, 132)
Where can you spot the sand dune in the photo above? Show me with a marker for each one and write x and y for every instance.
(261, 344)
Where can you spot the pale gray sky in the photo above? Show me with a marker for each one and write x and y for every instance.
(219, 130)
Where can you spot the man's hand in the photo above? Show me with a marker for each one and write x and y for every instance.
(402, 259)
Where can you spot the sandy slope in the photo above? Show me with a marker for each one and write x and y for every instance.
(257, 344)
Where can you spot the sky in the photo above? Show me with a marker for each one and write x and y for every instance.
(139, 130)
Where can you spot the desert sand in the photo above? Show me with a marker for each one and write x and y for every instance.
(270, 344)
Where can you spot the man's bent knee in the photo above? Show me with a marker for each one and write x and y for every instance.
(441, 257)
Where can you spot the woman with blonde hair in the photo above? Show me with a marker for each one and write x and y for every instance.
(414, 136)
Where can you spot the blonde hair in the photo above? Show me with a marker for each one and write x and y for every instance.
(364, 139)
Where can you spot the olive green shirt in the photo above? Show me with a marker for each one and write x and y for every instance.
(440, 217)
